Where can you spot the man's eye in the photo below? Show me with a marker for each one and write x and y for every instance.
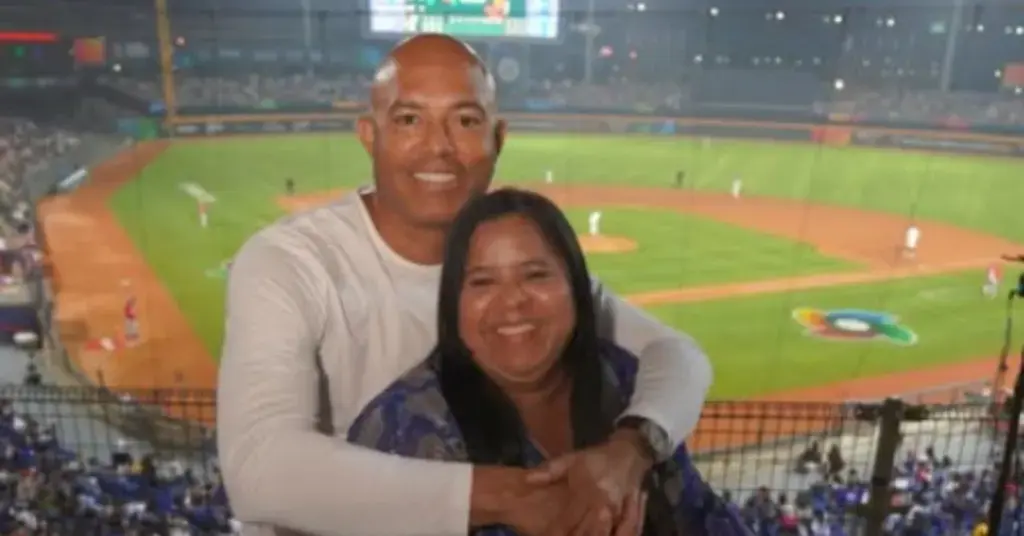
(406, 119)
(470, 121)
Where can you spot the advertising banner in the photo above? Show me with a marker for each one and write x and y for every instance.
(744, 131)
(559, 123)
(216, 128)
(962, 145)
(141, 128)
(73, 180)
(623, 124)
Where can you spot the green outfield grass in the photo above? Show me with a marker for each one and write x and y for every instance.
(680, 250)
(757, 347)
(970, 191)
(676, 250)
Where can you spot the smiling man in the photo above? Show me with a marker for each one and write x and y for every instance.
(327, 308)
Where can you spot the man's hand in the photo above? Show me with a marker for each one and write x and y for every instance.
(505, 496)
(601, 481)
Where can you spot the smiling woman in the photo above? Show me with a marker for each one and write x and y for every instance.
(520, 374)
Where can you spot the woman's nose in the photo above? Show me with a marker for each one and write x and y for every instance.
(513, 294)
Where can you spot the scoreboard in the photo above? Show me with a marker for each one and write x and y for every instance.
(27, 58)
(470, 19)
(45, 59)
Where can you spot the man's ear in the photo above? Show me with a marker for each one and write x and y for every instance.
(367, 131)
(500, 129)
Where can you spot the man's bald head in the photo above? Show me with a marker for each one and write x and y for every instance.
(434, 52)
(432, 132)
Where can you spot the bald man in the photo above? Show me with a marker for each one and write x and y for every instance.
(328, 307)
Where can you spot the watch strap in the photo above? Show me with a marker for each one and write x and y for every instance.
(654, 438)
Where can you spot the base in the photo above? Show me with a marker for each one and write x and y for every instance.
(606, 244)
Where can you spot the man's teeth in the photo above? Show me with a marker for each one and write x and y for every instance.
(436, 178)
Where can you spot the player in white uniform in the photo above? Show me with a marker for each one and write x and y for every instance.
(549, 176)
(910, 240)
(204, 218)
(595, 223)
(993, 278)
(737, 188)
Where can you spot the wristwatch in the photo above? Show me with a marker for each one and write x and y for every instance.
(655, 438)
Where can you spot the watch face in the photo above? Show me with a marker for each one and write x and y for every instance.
(658, 439)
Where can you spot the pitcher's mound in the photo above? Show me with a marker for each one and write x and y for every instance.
(606, 244)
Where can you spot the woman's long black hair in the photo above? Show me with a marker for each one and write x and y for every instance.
(490, 425)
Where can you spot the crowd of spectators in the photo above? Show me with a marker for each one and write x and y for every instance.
(24, 149)
(252, 91)
(957, 109)
(932, 496)
(619, 94)
(46, 488)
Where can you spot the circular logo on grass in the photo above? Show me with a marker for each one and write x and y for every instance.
(220, 272)
(854, 325)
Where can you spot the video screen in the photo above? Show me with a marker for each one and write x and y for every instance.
(468, 19)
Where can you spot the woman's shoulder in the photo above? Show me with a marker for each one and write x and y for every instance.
(418, 390)
(620, 363)
(412, 406)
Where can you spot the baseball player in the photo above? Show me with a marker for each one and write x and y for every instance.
(204, 219)
(131, 320)
(737, 188)
(910, 239)
(993, 278)
(595, 223)
(549, 176)
(289, 186)
(680, 177)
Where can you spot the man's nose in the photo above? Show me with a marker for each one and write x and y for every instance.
(439, 139)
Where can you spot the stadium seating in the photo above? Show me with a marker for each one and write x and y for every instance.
(620, 94)
(932, 496)
(25, 147)
(45, 488)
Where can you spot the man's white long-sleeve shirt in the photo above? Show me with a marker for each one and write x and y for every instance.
(321, 316)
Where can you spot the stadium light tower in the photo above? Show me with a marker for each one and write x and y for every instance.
(307, 34)
(590, 31)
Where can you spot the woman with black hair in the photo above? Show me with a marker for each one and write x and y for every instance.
(520, 375)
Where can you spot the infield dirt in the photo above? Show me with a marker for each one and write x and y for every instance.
(91, 256)
(93, 259)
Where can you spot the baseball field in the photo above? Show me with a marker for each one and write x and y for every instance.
(797, 290)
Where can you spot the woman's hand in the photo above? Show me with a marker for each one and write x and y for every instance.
(632, 523)
(602, 481)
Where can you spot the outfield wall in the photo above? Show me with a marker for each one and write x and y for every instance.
(957, 141)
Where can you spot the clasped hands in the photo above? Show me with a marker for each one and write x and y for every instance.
(594, 492)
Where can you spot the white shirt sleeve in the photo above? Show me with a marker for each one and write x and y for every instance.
(279, 471)
(674, 375)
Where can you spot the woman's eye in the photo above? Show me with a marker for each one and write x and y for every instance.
(537, 275)
(479, 282)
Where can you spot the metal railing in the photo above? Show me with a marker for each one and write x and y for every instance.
(741, 448)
